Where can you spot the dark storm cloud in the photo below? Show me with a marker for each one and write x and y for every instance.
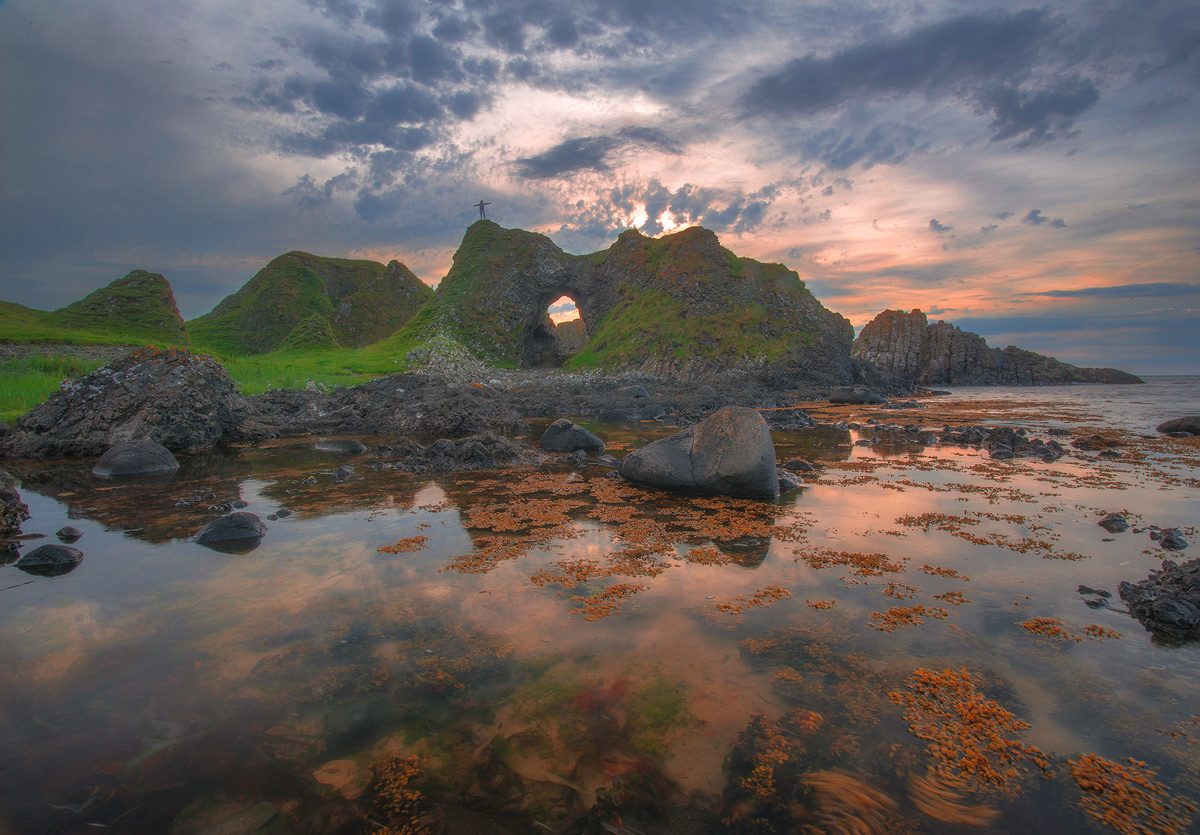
(1155, 289)
(942, 56)
(1039, 116)
(592, 153)
(394, 17)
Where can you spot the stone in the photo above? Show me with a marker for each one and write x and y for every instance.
(343, 446)
(565, 436)
(729, 453)
(633, 391)
(855, 396)
(135, 458)
(1167, 602)
(1114, 523)
(483, 451)
(69, 534)
(235, 533)
(13, 511)
(1190, 424)
(175, 398)
(343, 473)
(1172, 540)
(788, 480)
(798, 465)
(50, 560)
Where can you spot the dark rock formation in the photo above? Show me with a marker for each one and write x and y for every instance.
(485, 451)
(680, 305)
(13, 511)
(1114, 523)
(411, 404)
(139, 305)
(1184, 424)
(304, 300)
(181, 400)
(50, 560)
(1168, 601)
(68, 534)
(907, 346)
(565, 436)
(856, 396)
(135, 458)
(730, 453)
(234, 533)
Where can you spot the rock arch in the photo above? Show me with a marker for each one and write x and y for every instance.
(542, 346)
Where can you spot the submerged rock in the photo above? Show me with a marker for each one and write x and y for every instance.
(1167, 602)
(730, 453)
(235, 533)
(565, 436)
(69, 534)
(50, 560)
(135, 458)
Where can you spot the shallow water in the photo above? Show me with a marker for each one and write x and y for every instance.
(565, 653)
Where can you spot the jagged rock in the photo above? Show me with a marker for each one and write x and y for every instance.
(483, 451)
(565, 436)
(235, 533)
(855, 396)
(788, 481)
(173, 397)
(1114, 523)
(135, 458)
(1167, 602)
(1172, 540)
(343, 446)
(1184, 424)
(50, 560)
(343, 473)
(730, 453)
(13, 511)
(906, 345)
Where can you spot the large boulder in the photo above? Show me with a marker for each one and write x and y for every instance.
(13, 511)
(50, 560)
(1191, 423)
(233, 533)
(135, 458)
(173, 397)
(565, 436)
(729, 453)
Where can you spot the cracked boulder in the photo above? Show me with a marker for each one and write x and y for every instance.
(730, 453)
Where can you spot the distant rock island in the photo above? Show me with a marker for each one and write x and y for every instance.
(907, 346)
(681, 306)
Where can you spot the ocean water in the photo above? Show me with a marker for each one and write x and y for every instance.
(899, 646)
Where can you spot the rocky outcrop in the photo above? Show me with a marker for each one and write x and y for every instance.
(907, 346)
(307, 301)
(1167, 602)
(483, 451)
(135, 458)
(680, 306)
(730, 453)
(13, 511)
(139, 305)
(178, 399)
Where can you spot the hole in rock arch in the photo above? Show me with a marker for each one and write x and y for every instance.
(556, 333)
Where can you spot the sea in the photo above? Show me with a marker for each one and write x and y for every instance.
(920, 639)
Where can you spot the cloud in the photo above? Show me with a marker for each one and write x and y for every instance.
(989, 229)
(937, 226)
(1155, 289)
(592, 153)
(941, 58)
(888, 143)
(1036, 218)
(1040, 116)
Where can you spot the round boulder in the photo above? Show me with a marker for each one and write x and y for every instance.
(729, 453)
(235, 533)
(68, 534)
(1183, 424)
(133, 458)
(50, 560)
(565, 436)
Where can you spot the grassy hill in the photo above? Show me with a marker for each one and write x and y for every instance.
(304, 300)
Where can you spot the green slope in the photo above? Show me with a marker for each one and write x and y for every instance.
(140, 305)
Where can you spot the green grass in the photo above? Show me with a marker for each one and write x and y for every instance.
(28, 381)
(25, 324)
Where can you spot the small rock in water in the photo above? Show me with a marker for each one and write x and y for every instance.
(239, 504)
(283, 513)
(1114, 523)
(236, 533)
(343, 472)
(788, 480)
(68, 534)
(799, 465)
(565, 436)
(1172, 541)
(135, 458)
(50, 560)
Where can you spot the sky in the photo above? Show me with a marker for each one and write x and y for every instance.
(1027, 172)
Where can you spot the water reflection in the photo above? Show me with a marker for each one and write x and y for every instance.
(447, 654)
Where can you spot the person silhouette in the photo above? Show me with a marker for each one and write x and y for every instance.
(480, 205)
